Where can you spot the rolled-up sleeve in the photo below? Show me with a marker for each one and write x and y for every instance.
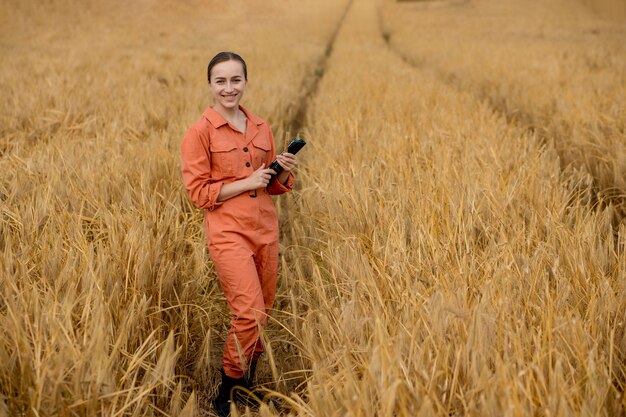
(196, 171)
(275, 187)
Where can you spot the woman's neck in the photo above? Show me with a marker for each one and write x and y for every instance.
(228, 114)
(235, 117)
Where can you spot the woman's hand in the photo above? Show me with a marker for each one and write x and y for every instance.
(260, 178)
(287, 160)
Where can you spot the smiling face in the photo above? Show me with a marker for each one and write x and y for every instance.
(228, 83)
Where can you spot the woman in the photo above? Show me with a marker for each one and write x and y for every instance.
(225, 156)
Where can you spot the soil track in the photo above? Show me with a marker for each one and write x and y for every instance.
(297, 122)
(600, 197)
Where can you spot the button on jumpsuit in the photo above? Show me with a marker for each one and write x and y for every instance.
(242, 231)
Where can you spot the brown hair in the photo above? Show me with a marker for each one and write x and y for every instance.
(223, 57)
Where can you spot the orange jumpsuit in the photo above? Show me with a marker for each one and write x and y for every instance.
(242, 232)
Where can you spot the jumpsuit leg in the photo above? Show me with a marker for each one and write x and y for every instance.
(266, 261)
(245, 287)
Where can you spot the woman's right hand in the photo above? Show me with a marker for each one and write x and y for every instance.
(260, 178)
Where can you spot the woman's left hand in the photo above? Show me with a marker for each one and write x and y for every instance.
(287, 160)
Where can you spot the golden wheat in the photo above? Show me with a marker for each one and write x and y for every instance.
(443, 262)
(444, 253)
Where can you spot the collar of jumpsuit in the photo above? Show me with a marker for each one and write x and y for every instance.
(217, 120)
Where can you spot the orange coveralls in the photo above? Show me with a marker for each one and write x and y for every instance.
(242, 232)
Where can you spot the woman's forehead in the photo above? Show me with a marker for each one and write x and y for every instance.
(227, 69)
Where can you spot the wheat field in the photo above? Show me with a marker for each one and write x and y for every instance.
(455, 244)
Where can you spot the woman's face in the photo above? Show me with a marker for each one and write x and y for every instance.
(228, 83)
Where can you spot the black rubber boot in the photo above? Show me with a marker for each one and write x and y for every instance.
(250, 375)
(226, 393)
(248, 396)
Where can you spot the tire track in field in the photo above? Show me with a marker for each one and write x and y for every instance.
(294, 126)
(518, 119)
(595, 195)
(296, 122)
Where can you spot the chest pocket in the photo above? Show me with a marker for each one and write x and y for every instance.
(224, 158)
(262, 150)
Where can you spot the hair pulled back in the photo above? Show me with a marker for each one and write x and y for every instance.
(223, 57)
